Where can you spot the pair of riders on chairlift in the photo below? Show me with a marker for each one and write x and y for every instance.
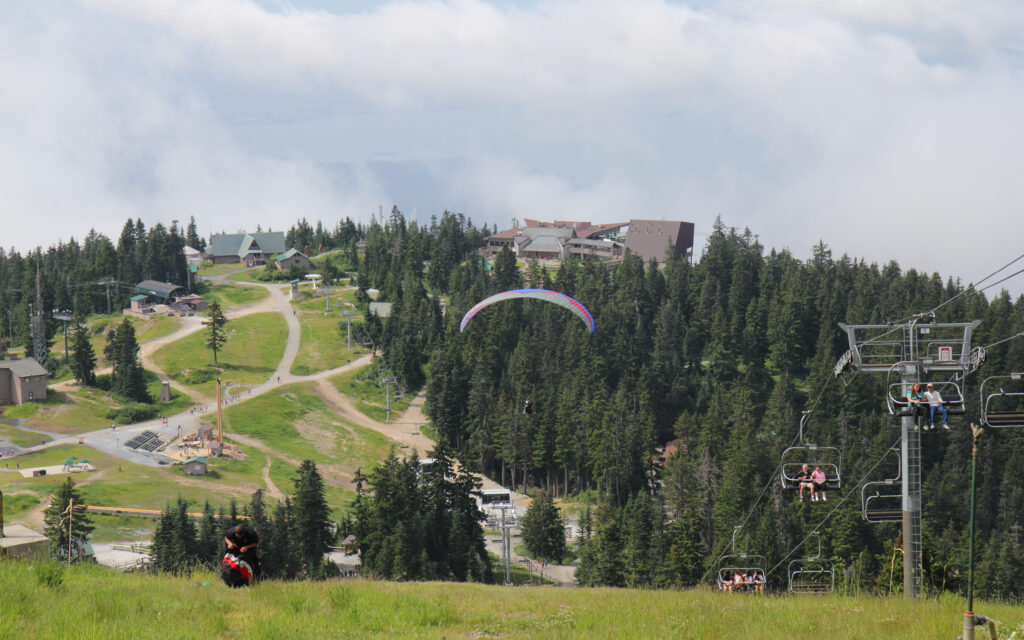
(813, 480)
(918, 399)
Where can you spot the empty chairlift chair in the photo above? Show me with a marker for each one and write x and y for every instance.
(1002, 401)
(882, 500)
(812, 574)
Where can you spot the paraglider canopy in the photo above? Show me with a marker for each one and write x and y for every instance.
(540, 294)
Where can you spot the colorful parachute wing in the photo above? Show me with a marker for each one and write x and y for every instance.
(539, 294)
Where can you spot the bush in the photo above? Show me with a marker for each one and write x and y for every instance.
(104, 382)
(199, 376)
(133, 412)
(50, 575)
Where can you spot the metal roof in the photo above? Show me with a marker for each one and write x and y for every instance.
(545, 244)
(24, 367)
(650, 239)
(240, 244)
(382, 309)
(159, 289)
(289, 253)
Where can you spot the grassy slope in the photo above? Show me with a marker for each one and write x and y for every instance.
(322, 345)
(208, 269)
(97, 603)
(153, 327)
(292, 422)
(297, 425)
(230, 295)
(254, 346)
(367, 394)
(85, 409)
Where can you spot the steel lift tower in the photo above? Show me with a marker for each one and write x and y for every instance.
(918, 350)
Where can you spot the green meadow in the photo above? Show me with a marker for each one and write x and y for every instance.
(232, 295)
(156, 326)
(321, 344)
(89, 602)
(255, 344)
(295, 424)
(361, 385)
(83, 409)
(208, 270)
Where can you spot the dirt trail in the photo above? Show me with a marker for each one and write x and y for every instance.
(404, 430)
(272, 489)
(36, 518)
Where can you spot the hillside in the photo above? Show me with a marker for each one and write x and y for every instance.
(98, 603)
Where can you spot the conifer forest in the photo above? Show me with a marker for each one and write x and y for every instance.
(713, 360)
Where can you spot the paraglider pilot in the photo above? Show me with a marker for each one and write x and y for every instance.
(241, 564)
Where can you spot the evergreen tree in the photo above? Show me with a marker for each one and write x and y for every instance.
(209, 538)
(85, 358)
(67, 508)
(217, 336)
(544, 529)
(314, 530)
(128, 377)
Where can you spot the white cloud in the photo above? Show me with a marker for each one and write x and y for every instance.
(842, 121)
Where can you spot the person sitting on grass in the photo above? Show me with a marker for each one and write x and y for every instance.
(819, 479)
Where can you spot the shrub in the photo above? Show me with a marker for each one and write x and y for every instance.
(104, 382)
(199, 376)
(50, 575)
(133, 412)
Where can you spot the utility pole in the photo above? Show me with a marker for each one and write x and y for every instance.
(64, 316)
(347, 315)
(506, 543)
(388, 380)
(40, 346)
(220, 426)
(909, 351)
(71, 515)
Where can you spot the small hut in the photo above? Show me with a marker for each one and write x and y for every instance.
(195, 466)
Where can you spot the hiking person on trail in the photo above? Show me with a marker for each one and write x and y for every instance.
(241, 564)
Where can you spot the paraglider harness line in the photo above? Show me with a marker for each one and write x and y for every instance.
(836, 506)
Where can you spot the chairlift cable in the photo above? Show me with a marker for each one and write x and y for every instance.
(1015, 273)
(818, 526)
(974, 285)
(771, 480)
(1019, 334)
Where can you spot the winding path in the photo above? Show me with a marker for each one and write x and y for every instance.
(406, 429)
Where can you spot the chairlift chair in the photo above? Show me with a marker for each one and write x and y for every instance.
(795, 457)
(1000, 407)
(812, 574)
(898, 405)
(878, 502)
(730, 563)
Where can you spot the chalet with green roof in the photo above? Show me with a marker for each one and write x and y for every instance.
(250, 249)
(286, 260)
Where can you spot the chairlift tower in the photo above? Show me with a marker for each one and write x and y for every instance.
(918, 350)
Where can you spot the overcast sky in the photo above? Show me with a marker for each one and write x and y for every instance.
(889, 130)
